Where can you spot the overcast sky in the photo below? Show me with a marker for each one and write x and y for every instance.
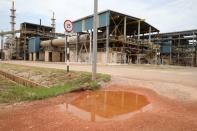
(166, 15)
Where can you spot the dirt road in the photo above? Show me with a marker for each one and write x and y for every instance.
(172, 91)
(179, 83)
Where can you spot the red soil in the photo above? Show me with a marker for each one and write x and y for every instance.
(44, 115)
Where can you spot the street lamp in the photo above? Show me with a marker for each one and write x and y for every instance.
(94, 60)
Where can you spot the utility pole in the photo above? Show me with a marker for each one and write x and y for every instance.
(139, 29)
(90, 54)
(94, 60)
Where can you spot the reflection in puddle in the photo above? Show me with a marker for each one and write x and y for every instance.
(107, 105)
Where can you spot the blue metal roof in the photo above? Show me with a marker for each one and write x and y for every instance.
(86, 23)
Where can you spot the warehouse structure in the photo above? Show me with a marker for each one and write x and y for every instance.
(178, 48)
(121, 39)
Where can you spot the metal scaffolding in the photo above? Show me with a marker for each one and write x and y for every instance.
(120, 38)
(178, 48)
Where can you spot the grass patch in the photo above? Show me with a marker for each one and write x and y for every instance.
(12, 93)
(21, 93)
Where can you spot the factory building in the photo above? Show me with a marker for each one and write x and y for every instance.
(178, 48)
(122, 39)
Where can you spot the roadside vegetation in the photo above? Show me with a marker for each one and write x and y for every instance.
(11, 92)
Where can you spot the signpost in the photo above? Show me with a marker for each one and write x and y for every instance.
(68, 26)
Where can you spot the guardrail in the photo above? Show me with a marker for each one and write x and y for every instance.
(20, 80)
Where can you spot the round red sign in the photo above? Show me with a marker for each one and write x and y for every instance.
(68, 26)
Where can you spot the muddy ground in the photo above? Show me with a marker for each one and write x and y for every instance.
(172, 92)
(165, 115)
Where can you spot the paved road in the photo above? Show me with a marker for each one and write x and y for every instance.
(182, 80)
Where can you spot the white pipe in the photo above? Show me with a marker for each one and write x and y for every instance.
(61, 42)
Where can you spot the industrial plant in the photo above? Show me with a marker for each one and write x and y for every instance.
(103, 72)
(122, 39)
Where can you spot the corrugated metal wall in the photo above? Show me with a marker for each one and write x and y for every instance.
(166, 46)
(165, 49)
(104, 19)
(77, 26)
(34, 44)
(87, 23)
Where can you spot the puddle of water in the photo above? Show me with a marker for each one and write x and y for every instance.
(106, 105)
